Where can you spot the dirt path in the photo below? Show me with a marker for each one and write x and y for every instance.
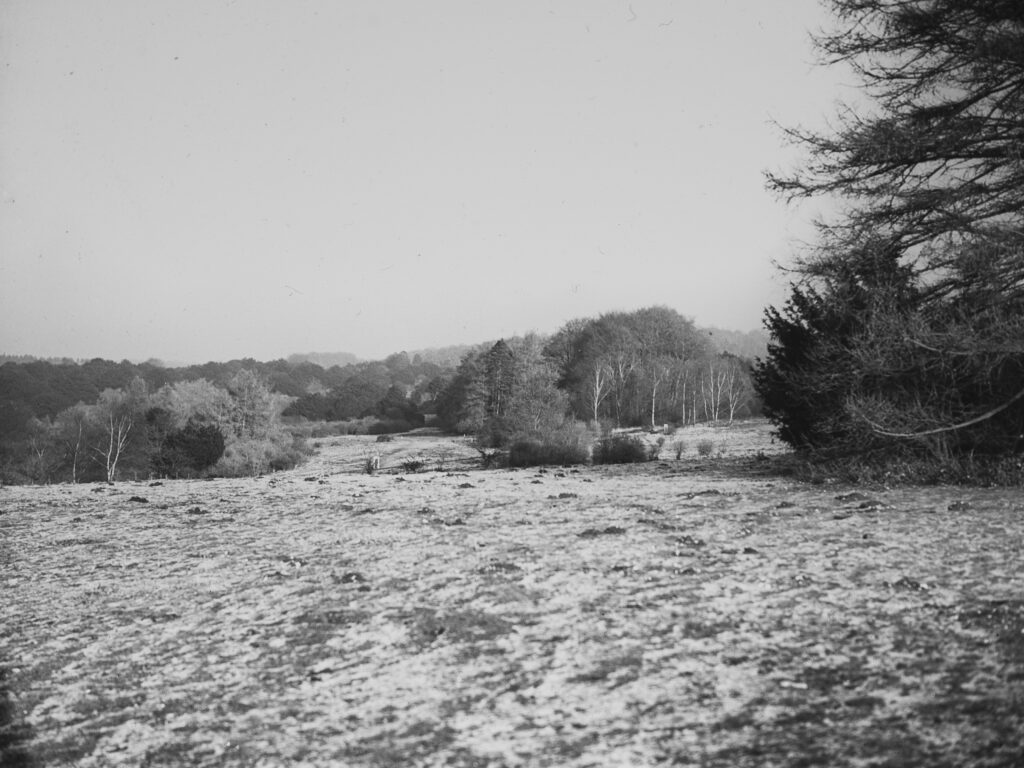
(646, 615)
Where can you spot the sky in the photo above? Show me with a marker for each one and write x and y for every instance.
(212, 179)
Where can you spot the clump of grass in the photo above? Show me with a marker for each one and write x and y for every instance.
(705, 448)
(679, 447)
(413, 465)
(441, 460)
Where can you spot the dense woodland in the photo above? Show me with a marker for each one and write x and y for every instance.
(99, 420)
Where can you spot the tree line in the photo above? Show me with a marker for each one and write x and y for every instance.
(101, 420)
(648, 367)
(185, 429)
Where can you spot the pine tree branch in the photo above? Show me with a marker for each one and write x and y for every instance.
(879, 430)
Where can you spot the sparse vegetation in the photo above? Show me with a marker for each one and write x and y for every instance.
(413, 465)
(705, 448)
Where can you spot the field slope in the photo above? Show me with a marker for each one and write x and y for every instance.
(671, 613)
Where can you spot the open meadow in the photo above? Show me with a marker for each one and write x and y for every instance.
(695, 612)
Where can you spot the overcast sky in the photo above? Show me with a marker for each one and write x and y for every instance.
(211, 180)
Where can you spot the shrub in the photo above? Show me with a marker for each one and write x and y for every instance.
(679, 447)
(532, 453)
(413, 465)
(389, 427)
(189, 450)
(335, 428)
(441, 459)
(620, 449)
(385, 438)
(492, 457)
(654, 451)
(705, 448)
(254, 456)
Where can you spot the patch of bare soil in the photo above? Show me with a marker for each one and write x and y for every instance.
(669, 613)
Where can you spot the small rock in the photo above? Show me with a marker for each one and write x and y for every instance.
(912, 585)
(690, 541)
(139, 499)
(351, 577)
(855, 496)
(872, 505)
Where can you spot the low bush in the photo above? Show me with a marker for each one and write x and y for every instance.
(253, 456)
(705, 448)
(533, 453)
(338, 428)
(413, 465)
(654, 451)
(679, 447)
(492, 457)
(620, 449)
(390, 427)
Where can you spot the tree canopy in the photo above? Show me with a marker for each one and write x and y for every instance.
(905, 327)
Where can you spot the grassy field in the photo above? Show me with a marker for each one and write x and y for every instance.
(693, 612)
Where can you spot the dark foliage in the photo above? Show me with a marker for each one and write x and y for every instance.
(189, 450)
(390, 427)
(620, 449)
(532, 453)
(905, 335)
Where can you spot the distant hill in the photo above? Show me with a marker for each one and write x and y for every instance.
(324, 359)
(34, 359)
(746, 344)
(446, 357)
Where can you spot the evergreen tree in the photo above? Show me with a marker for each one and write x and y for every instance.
(904, 328)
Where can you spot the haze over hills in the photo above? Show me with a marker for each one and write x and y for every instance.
(747, 344)
(324, 359)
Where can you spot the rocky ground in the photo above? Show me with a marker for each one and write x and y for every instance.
(693, 612)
